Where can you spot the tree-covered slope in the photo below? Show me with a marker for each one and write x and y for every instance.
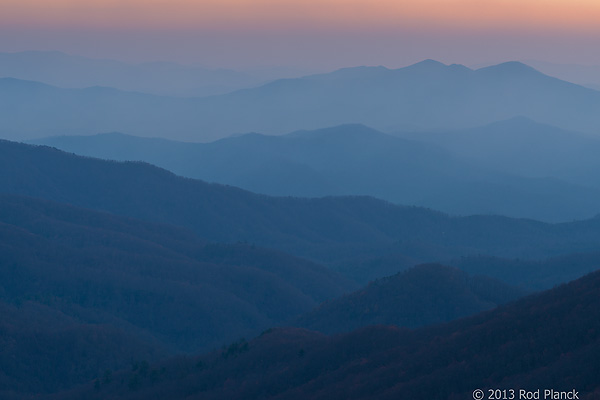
(329, 229)
(150, 280)
(423, 295)
(545, 341)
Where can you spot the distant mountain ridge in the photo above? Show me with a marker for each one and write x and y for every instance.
(328, 229)
(357, 160)
(524, 147)
(159, 78)
(526, 274)
(423, 295)
(585, 75)
(427, 95)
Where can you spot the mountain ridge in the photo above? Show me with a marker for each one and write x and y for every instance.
(523, 147)
(430, 98)
(68, 257)
(159, 78)
(328, 229)
(353, 159)
(425, 294)
(528, 344)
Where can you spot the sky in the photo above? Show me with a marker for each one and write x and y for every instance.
(320, 34)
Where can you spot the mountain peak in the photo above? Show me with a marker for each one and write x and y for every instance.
(512, 68)
(353, 72)
(430, 62)
(427, 64)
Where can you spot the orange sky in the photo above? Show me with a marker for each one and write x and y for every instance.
(577, 15)
(314, 33)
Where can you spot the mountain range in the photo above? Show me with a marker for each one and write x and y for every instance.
(126, 263)
(328, 229)
(525, 148)
(581, 74)
(150, 279)
(427, 232)
(83, 292)
(158, 78)
(483, 177)
(427, 95)
(526, 274)
(79, 285)
(548, 341)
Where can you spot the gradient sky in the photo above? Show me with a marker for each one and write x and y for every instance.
(307, 33)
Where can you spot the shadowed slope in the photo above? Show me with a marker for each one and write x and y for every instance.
(328, 229)
(545, 341)
(150, 280)
(424, 295)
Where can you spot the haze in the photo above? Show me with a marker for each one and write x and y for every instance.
(311, 34)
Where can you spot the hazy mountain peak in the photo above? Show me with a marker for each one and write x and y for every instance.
(8, 83)
(429, 63)
(156, 77)
(512, 68)
(459, 67)
(365, 68)
(353, 72)
(426, 66)
(432, 68)
(250, 136)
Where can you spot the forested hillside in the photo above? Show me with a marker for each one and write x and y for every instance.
(77, 285)
(545, 341)
(327, 229)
